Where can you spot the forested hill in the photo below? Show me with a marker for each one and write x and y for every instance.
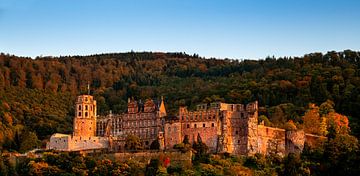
(37, 95)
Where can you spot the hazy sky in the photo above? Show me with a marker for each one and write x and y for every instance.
(236, 29)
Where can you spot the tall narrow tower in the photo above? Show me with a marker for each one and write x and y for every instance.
(85, 116)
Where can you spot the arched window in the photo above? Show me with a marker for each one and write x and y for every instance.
(79, 107)
(86, 107)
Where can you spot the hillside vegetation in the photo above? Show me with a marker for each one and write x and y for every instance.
(317, 92)
(38, 94)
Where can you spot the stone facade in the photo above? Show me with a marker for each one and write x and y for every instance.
(223, 127)
(145, 120)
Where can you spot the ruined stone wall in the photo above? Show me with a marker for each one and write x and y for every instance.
(204, 121)
(172, 134)
(295, 141)
(206, 129)
(314, 140)
(271, 140)
(235, 132)
(252, 132)
(238, 128)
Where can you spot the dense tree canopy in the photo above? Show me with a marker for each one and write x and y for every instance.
(37, 95)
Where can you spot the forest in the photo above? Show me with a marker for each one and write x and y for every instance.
(37, 95)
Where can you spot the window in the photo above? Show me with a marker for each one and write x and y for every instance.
(79, 114)
(195, 125)
(187, 126)
(86, 114)
(236, 132)
(204, 125)
(86, 99)
(212, 125)
(79, 107)
(238, 141)
(86, 107)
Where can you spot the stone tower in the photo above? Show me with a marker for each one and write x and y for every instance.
(252, 128)
(85, 116)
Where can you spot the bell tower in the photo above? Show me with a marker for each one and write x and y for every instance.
(85, 116)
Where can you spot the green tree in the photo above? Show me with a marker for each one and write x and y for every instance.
(153, 167)
(133, 142)
(29, 141)
(155, 145)
(201, 151)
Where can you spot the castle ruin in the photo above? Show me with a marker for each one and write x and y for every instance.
(223, 127)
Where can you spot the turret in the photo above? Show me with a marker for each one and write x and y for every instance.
(85, 116)
(132, 106)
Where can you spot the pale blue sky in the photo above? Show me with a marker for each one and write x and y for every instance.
(212, 28)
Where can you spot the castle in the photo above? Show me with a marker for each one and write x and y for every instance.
(223, 127)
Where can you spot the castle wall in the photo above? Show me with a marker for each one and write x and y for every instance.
(86, 143)
(314, 140)
(65, 142)
(173, 134)
(271, 140)
(235, 132)
(295, 141)
(59, 142)
(206, 129)
(204, 121)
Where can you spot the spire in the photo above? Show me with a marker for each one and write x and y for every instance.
(162, 109)
(88, 89)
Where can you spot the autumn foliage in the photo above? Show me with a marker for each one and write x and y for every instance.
(319, 123)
